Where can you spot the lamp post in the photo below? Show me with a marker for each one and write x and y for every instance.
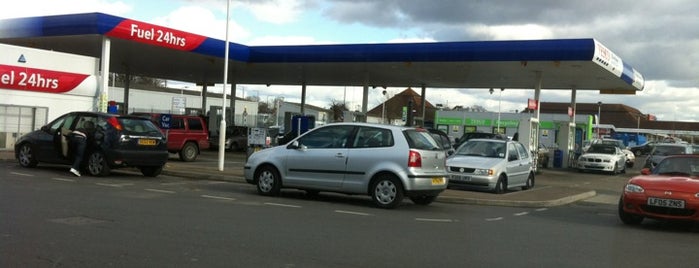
(499, 108)
(599, 116)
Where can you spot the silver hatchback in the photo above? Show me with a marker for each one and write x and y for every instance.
(383, 161)
(491, 164)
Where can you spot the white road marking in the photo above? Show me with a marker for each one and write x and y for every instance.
(22, 174)
(541, 209)
(117, 185)
(434, 220)
(218, 197)
(495, 219)
(160, 191)
(216, 182)
(521, 213)
(352, 212)
(282, 205)
(62, 179)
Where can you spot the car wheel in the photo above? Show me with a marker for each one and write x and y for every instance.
(423, 199)
(97, 164)
(501, 185)
(26, 156)
(268, 181)
(151, 171)
(530, 182)
(628, 218)
(387, 191)
(189, 152)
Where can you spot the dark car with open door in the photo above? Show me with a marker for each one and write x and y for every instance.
(113, 141)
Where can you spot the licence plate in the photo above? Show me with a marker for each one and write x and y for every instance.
(668, 203)
(438, 181)
(146, 142)
(461, 178)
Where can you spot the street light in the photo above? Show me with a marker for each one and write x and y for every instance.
(599, 116)
(499, 105)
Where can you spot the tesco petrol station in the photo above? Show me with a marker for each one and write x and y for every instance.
(54, 64)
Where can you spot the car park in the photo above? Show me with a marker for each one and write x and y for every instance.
(491, 164)
(602, 157)
(383, 161)
(669, 191)
(187, 135)
(662, 150)
(115, 141)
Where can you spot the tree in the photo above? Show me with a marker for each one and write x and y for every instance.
(338, 109)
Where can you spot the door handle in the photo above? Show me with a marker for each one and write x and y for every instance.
(339, 155)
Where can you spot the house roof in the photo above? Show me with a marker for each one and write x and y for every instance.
(394, 106)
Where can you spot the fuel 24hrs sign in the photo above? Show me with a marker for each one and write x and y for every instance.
(31, 79)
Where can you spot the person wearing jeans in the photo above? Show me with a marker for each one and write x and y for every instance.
(78, 140)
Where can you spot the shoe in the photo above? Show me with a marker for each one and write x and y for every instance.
(75, 172)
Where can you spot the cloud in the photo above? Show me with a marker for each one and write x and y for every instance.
(199, 20)
(30, 8)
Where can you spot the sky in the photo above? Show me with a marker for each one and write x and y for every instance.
(660, 39)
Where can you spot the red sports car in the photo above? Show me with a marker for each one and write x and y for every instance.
(669, 191)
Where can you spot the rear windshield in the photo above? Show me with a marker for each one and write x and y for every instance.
(421, 140)
(669, 150)
(138, 126)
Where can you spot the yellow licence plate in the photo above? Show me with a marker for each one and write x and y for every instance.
(146, 142)
(438, 181)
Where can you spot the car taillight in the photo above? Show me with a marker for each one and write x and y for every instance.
(115, 123)
(414, 159)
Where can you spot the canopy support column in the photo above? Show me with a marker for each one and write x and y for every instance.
(423, 101)
(103, 96)
(303, 99)
(127, 89)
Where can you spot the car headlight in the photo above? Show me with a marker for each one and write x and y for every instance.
(633, 188)
(696, 195)
(487, 172)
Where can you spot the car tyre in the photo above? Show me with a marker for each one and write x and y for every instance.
(387, 191)
(423, 199)
(615, 169)
(501, 185)
(97, 164)
(189, 152)
(628, 218)
(234, 147)
(151, 171)
(268, 181)
(530, 182)
(26, 156)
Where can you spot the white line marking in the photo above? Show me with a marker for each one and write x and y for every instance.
(541, 209)
(282, 205)
(494, 219)
(218, 197)
(117, 185)
(160, 191)
(174, 183)
(62, 179)
(521, 213)
(352, 213)
(216, 182)
(22, 174)
(434, 220)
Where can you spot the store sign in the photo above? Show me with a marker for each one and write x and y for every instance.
(156, 35)
(31, 79)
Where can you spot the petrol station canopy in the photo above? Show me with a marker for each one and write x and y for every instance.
(144, 49)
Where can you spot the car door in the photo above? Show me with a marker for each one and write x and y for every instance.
(526, 163)
(49, 141)
(372, 148)
(514, 165)
(320, 159)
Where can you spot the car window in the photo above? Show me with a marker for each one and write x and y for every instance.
(668, 150)
(57, 124)
(681, 165)
(68, 124)
(420, 139)
(512, 152)
(195, 124)
(87, 122)
(177, 123)
(138, 126)
(368, 137)
(327, 137)
(522, 151)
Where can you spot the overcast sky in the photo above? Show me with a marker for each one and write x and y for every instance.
(658, 38)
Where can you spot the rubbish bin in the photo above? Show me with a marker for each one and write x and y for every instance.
(557, 158)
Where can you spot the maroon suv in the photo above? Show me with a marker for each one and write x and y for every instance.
(187, 135)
